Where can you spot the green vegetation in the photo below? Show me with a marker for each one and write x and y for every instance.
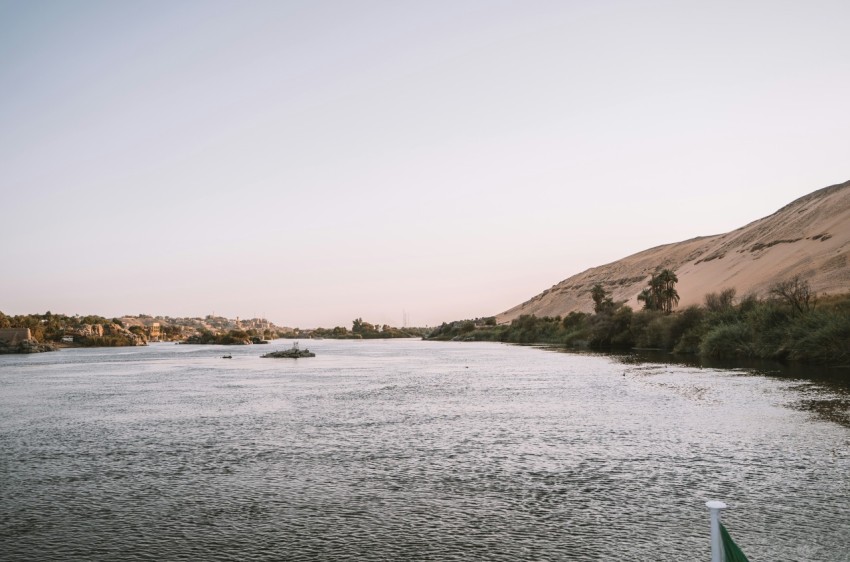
(359, 330)
(790, 324)
(90, 331)
(661, 293)
(232, 337)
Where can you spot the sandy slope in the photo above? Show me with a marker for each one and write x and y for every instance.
(809, 237)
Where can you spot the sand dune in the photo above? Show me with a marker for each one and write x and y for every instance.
(810, 237)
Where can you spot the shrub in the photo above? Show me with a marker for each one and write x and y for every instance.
(689, 320)
(797, 293)
(769, 322)
(612, 329)
(689, 342)
(575, 320)
(820, 338)
(727, 340)
(719, 302)
(647, 329)
(657, 334)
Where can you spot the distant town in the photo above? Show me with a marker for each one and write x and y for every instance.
(46, 332)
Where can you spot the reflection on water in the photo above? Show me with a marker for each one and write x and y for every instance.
(414, 451)
(823, 391)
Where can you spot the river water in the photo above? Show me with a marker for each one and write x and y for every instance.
(411, 450)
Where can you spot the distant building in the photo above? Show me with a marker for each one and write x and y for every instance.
(257, 324)
(14, 336)
(154, 332)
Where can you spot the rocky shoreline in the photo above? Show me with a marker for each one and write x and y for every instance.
(293, 352)
(26, 346)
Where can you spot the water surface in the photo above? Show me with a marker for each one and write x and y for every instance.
(410, 450)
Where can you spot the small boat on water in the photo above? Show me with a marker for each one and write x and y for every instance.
(228, 356)
(293, 352)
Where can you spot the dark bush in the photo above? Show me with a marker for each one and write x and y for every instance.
(727, 340)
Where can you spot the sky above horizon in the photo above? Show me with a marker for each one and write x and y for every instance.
(315, 162)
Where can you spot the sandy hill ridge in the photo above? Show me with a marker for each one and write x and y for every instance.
(810, 237)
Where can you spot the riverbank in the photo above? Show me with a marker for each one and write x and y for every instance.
(817, 333)
(26, 346)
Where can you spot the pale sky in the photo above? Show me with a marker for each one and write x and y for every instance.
(313, 162)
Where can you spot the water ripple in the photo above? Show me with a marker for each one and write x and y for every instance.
(398, 451)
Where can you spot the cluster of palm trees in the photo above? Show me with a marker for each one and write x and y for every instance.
(661, 293)
(602, 300)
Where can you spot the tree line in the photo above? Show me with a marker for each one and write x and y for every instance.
(360, 329)
(790, 323)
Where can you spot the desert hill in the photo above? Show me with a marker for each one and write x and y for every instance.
(809, 237)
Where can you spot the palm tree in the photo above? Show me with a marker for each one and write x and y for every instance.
(601, 299)
(656, 286)
(671, 299)
(667, 282)
(647, 298)
(661, 293)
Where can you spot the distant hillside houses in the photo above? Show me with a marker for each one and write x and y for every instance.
(93, 330)
(167, 328)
